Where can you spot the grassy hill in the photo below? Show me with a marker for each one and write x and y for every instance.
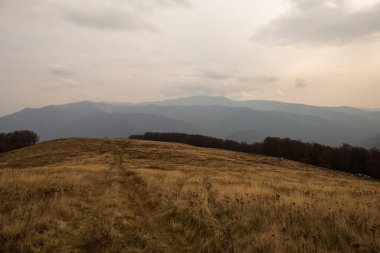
(102, 195)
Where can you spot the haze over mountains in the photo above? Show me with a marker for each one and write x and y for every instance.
(247, 121)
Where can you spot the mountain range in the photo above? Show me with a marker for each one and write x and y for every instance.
(247, 121)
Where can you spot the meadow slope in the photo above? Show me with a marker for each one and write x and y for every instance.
(103, 195)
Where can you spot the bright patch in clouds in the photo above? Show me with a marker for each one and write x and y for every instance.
(364, 3)
(360, 5)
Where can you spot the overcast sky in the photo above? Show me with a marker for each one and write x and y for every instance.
(323, 52)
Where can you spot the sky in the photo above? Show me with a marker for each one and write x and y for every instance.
(320, 52)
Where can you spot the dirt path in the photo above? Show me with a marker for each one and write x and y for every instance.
(146, 216)
(118, 217)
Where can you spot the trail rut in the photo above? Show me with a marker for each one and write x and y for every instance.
(150, 227)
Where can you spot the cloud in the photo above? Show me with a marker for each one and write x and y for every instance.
(168, 3)
(211, 74)
(300, 83)
(217, 88)
(60, 69)
(109, 19)
(204, 81)
(231, 75)
(114, 15)
(62, 83)
(318, 22)
(279, 93)
(259, 80)
(192, 90)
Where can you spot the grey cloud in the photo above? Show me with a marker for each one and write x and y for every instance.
(221, 76)
(60, 70)
(132, 15)
(108, 19)
(62, 83)
(211, 74)
(221, 83)
(259, 80)
(214, 88)
(183, 3)
(300, 83)
(307, 4)
(321, 22)
(193, 89)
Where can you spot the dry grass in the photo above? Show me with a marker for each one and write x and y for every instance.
(93, 195)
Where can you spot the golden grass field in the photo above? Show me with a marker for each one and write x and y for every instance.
(100, 195)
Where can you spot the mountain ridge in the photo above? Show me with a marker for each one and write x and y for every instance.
(215, 116)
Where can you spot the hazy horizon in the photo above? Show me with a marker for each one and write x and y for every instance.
(316, 52)
(180, 97)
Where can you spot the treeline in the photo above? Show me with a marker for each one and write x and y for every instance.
(345, 158)
(17, 139)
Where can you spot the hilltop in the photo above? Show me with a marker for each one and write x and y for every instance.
(116, 195)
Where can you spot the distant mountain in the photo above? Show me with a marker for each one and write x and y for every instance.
(377, 144)
(248, 136)
(361, 120)
(91, 120)
(222, 121)
(372, 142)
(221, 117)
(105, 124)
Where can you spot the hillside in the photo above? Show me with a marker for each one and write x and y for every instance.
(102, 195)
(249, 121)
